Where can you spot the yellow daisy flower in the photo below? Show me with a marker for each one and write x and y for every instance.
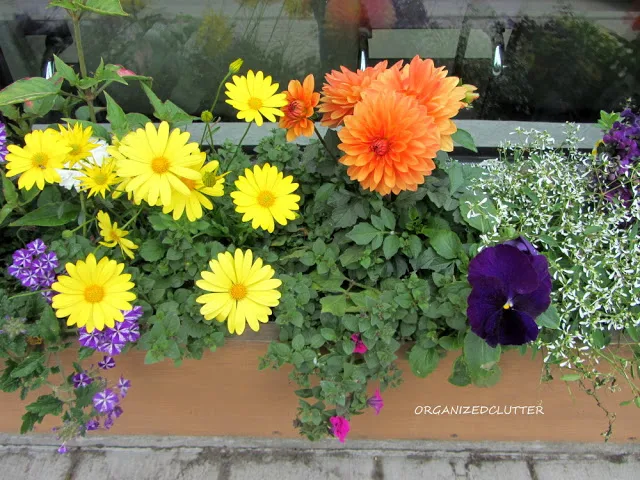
(94, 294)
(114, 235)
(254, 96)
(78, 140)
(210, 184)
(98, 179)
(37, 162)
(263, 196)
(154, 161)
(242, 291)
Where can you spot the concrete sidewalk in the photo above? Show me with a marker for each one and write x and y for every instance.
(34, 457)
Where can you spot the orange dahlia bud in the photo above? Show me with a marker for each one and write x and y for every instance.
(343, 91)
(301, 101)
(389, 142)
(471, 95)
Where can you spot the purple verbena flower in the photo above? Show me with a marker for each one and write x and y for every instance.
(510, 288)
(3, 143)
(50, 259)
(90, 340)
(134, 314)
(22, 257)
(36, 247)
(376, 402)
(105, 401)
(107, 363)
(93, 425)
(110, 345)
(81, 380)
(63, 449)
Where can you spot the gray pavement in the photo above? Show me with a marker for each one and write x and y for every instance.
(34, 457)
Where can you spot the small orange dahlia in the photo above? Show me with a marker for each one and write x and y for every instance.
(343, 91)
(389, 143)
(433, 89)
(301, 100)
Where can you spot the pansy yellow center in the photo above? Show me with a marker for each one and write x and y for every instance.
(40, 160)
(380, 146)
(238, 291)
(255, 103)
(508, 305)
(160, 165)
(93, 293)
(266, 199)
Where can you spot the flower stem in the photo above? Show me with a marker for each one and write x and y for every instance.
(239, 146)
(132, 218)
(75, 20)
(26, 294)
(215, 100)
(83, 208)
(83, 225)
(324, 144)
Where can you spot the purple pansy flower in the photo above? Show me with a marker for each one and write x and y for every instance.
(105, 401)
(511, 286)
(93, 425)
(90, 340)
(107, 363)
(37, 247)
(359, 346)
(376, 402)
(81, 380)
(340, 427)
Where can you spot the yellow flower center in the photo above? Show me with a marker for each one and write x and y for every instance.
(100, 179)
(191, 184)
(255, 103)
(94, 293)
(40, 160)
(75, 149)
(113, 236)
(380, 146)
(238, 291)
(266, 199)
(160, 165)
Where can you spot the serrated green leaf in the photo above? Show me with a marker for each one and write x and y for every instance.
(27, 89)
(28, 365)
(460, 375)
(334, 304)
(65, 71)
(423, 361)
(363, 233)
(388, 218)
(456, 177)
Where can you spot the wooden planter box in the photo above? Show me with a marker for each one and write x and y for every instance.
(225, 394)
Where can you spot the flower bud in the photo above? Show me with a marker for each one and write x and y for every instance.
(471, 95)
(67, 234)
(236, 65)
(206, 116)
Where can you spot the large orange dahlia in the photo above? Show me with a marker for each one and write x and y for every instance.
(389, 142)
(343, 91)
(433, 89)
(301, 100)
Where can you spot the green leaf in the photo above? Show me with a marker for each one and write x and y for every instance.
(482, 218)
(51, 215)
(388, 218)
(478, 354)
(298, 342)
(27, 89)
(45, 405)
(116, 117)
(391, 246)
(49, 324)
(152, 250)
(328, 334)
(29, 421)
(456, 177)
(460, 375)
(572, 377)
(335, 304)
(5, 211)
(423, 361)
(167, 111)
(415, 246)
(28, 365)
(9, 191)
(464, 139)
(104, 7)
(363, 233)
(446, 243)
(549, 318)
(137, 120)
(65, 71)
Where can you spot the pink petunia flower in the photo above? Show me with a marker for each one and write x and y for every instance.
(340, 428)
(359, 346)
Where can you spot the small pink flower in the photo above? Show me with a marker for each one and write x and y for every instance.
(124, 72)
(340, 428)
(376, 402)
(359, 346)
(28, 103)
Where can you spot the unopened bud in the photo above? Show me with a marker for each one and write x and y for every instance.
(67, 234)
(206, 116)
(471, 95)
(236, 65)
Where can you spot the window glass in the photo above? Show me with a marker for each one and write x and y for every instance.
(542, 60)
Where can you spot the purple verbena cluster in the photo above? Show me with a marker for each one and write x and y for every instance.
(112, 341)
(3, 143)
(35, 267)
(107, 404)
(622, 142)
